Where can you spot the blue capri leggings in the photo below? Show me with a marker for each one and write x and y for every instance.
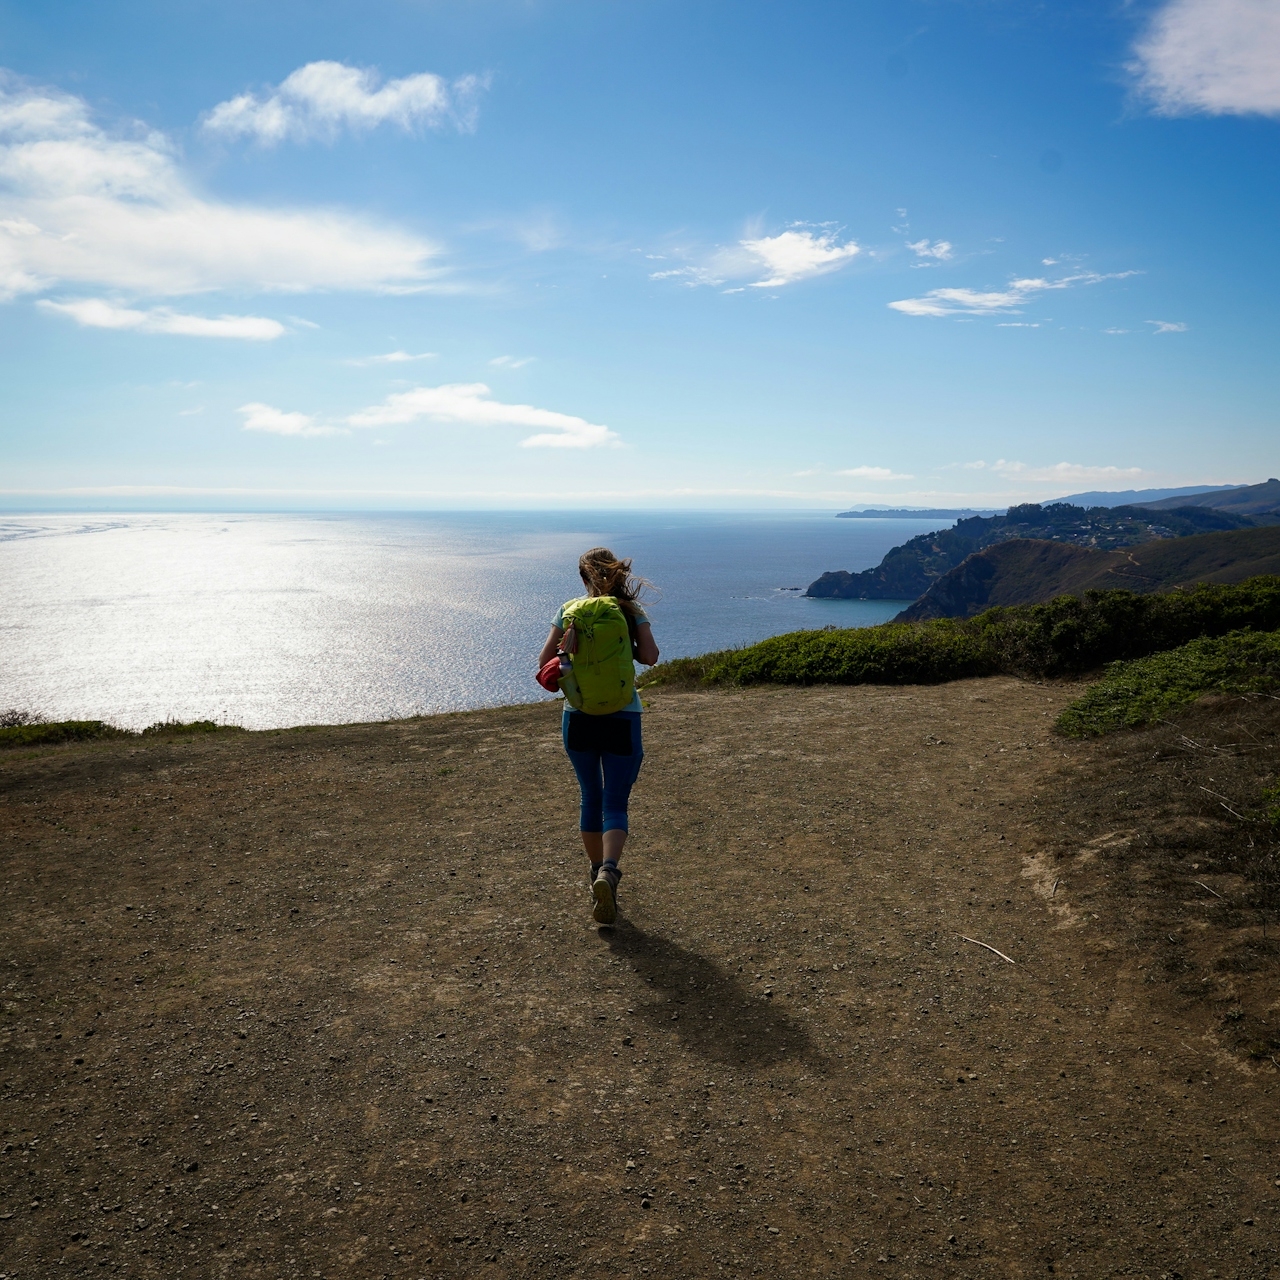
(606, 755)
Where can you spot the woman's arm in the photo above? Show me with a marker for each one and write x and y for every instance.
(549, 649)
(646, 648)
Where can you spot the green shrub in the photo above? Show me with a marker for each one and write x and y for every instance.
(896, 653)
(34, 735)
(1069, 635)
(1271, 806)
(15, 717)
(1146, 689)
(1063, 637)
(185, 726)
(682, 671)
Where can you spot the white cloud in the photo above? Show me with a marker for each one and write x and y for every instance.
(975, 302)
(322, 98)
(1074, 473)
(262, 417)
(96, 314)
(511, 362)
(939, 249)
(873, 473)
(952, 302)
(394, 357)
(1060, 473)
(470, 403)
(1167, 326)
(691, 276)
(798, 255)
(1217, 56)
(792, 255)
(80, 205)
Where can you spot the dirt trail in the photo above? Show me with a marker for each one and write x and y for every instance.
(330, 1003)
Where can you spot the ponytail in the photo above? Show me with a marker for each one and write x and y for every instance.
(603, 574)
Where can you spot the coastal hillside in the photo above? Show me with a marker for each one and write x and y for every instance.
(1032, 571)
(1261, 502)
(909, 570)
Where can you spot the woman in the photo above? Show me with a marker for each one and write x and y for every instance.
(605, 750)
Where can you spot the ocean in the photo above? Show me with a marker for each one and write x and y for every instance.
(274, 620)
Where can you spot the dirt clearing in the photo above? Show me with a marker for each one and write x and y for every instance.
(330, 1003)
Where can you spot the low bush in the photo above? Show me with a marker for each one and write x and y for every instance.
(32, 731)
(1066, 636)
(1145, 690)
(896, 653)
(185, 726)
(36, 735)
(15, 718)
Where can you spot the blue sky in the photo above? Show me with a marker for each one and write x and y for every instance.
(431, 253)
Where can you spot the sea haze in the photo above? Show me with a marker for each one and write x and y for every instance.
(275, 620)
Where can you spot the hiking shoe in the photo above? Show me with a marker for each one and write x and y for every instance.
(604, 890)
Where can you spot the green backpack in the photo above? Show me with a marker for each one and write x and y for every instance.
(602, 679)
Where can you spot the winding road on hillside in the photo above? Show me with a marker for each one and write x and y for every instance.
(330, 1003)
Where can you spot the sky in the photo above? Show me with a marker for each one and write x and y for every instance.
(422, 254)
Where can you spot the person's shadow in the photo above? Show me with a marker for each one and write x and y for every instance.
(706, 1007)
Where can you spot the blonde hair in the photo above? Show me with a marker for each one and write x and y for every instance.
(603, 574)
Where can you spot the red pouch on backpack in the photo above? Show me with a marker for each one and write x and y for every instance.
(549, 675)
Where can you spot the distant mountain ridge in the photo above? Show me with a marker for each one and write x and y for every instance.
(1142, 497)
(1094, 498)
(1255, 500)
(917, 513)
(1032, 571)
(909, 570)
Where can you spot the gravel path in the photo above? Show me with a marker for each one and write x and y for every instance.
(329, 1003)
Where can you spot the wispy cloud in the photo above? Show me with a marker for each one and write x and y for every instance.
(321, 99)
(1060, 473)
(96, 314)
(81, 205)
(976, 302)
(940, 250)
(1221, 57)
(472, 404)
(393, 357)
(276, 422)
(511, 362)
(799, 253)
(1167, 326)
(873, 473)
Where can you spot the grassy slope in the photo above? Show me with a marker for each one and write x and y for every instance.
(1256, 499)
(1148, 689)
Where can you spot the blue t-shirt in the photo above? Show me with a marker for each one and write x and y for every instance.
(633, 707)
